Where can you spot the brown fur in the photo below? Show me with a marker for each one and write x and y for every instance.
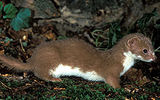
(74, 52)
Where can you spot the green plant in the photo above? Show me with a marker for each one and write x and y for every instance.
(1, 7)
(82, 93)
(105, 40)
(74, 89)
(145, 20)
(97, 35)
(10, 11)
(19, 21)
(61, 37)
(22, 19)
(7, 39)
(113, 34)
(25, 44)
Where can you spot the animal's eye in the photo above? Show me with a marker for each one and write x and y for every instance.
(145, 51)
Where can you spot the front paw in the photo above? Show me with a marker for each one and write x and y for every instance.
(113, 81)
(116, 86)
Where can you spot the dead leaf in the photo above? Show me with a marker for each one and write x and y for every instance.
(58, 88)
(5, 75)
(49, 35)
(1, 52)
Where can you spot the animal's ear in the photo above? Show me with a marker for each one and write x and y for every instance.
(132, 42)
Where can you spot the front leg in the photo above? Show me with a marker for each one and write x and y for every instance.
(113, 81)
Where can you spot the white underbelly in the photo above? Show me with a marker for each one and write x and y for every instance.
(63, 70)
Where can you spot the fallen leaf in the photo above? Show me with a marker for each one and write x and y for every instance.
(49, 35)
(5, 75)
(58, 88)
(1, 52)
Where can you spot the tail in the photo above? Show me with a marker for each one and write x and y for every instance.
(14, 64)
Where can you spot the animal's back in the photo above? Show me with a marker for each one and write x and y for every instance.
(72, 52)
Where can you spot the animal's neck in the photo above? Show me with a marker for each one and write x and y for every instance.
(128, 61)
(120, 54)
(116, 52)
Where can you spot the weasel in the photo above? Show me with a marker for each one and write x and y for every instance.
(73, 57)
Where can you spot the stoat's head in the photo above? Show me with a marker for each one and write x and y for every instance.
(141, 47)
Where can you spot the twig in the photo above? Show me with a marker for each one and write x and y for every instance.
(5, 85)
(42, 85)
(156, 79)
(20, 40)
(99, 35)
(156, 50)
(89, 38)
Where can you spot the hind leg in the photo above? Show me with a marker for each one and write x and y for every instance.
(46, 59)
(52, 79)
(44, 75)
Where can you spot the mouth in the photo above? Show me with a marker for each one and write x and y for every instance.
(142, 59)
(150, 60)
